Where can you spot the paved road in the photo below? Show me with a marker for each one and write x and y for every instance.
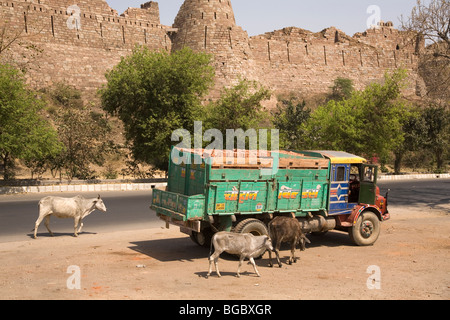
(126, 211)
(434, 193)
(130, 210)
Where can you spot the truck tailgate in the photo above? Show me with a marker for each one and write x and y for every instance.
(177, 206)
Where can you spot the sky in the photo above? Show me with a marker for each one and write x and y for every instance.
(260, 16)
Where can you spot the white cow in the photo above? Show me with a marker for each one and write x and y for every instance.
(246, 245)
(77, 208)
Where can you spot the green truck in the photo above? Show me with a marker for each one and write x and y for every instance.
(324, 190)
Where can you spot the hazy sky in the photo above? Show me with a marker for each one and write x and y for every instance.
(259, 16)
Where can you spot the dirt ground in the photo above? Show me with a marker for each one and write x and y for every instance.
(412, 256)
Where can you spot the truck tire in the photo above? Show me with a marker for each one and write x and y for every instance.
(203, 238)
(255, 227)
(366, 230)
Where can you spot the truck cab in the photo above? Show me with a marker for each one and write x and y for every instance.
(353, 183)
(354, 199)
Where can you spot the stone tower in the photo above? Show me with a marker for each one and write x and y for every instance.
(210, 26)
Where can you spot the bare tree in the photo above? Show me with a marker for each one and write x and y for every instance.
(17, 46)
(8, 37)
(432, 23)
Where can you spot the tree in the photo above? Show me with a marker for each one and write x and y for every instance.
(82, 131)
(8, 37)
(24, 134)
(384, 114)
(341, 89)
(368, 123)
(290, 118)
(155, 93)
(238, 107)
(431, 22)
(16, 40)
(437, 119)
(415, 132)
(335, 126)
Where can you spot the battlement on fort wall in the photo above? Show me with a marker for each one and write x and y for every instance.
(298, 60)
(79, 44)
(95, 25)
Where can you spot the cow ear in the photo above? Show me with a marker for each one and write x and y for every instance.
(307, 240)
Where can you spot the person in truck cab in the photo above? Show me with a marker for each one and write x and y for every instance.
(354, 188)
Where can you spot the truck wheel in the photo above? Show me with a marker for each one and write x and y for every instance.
(366, 230)
(203, 238)
(255, 227)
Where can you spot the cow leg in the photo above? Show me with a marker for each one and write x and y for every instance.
(215, 258)
(254, 266)
(292, 258)
(81, 226)
(216, 264)
(294, 246)
(210, 266)
(239, 266)
(77, 221)
(38, 222)
(47, 224)
(270, 259)
(277, 252)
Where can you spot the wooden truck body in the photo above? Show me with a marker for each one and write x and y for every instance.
(324, 190)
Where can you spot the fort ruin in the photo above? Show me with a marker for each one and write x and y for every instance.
(78, 41)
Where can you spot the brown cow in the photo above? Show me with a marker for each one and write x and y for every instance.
(285, 229)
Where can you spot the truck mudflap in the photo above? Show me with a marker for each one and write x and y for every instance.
(358, 210)
(180, 210)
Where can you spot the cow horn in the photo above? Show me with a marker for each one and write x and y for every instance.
(98, 196)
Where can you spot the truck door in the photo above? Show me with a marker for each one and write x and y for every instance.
(368, 184)
(339, 188)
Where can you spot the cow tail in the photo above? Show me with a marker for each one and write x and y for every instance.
(39, 204)
(210, 248)
(269, 227)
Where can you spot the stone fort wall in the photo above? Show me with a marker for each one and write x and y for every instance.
(79, 55)
(78, 47)
(298, 60)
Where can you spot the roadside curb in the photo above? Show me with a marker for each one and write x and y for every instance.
(414, 177)
(82, 188)
(150, 186)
